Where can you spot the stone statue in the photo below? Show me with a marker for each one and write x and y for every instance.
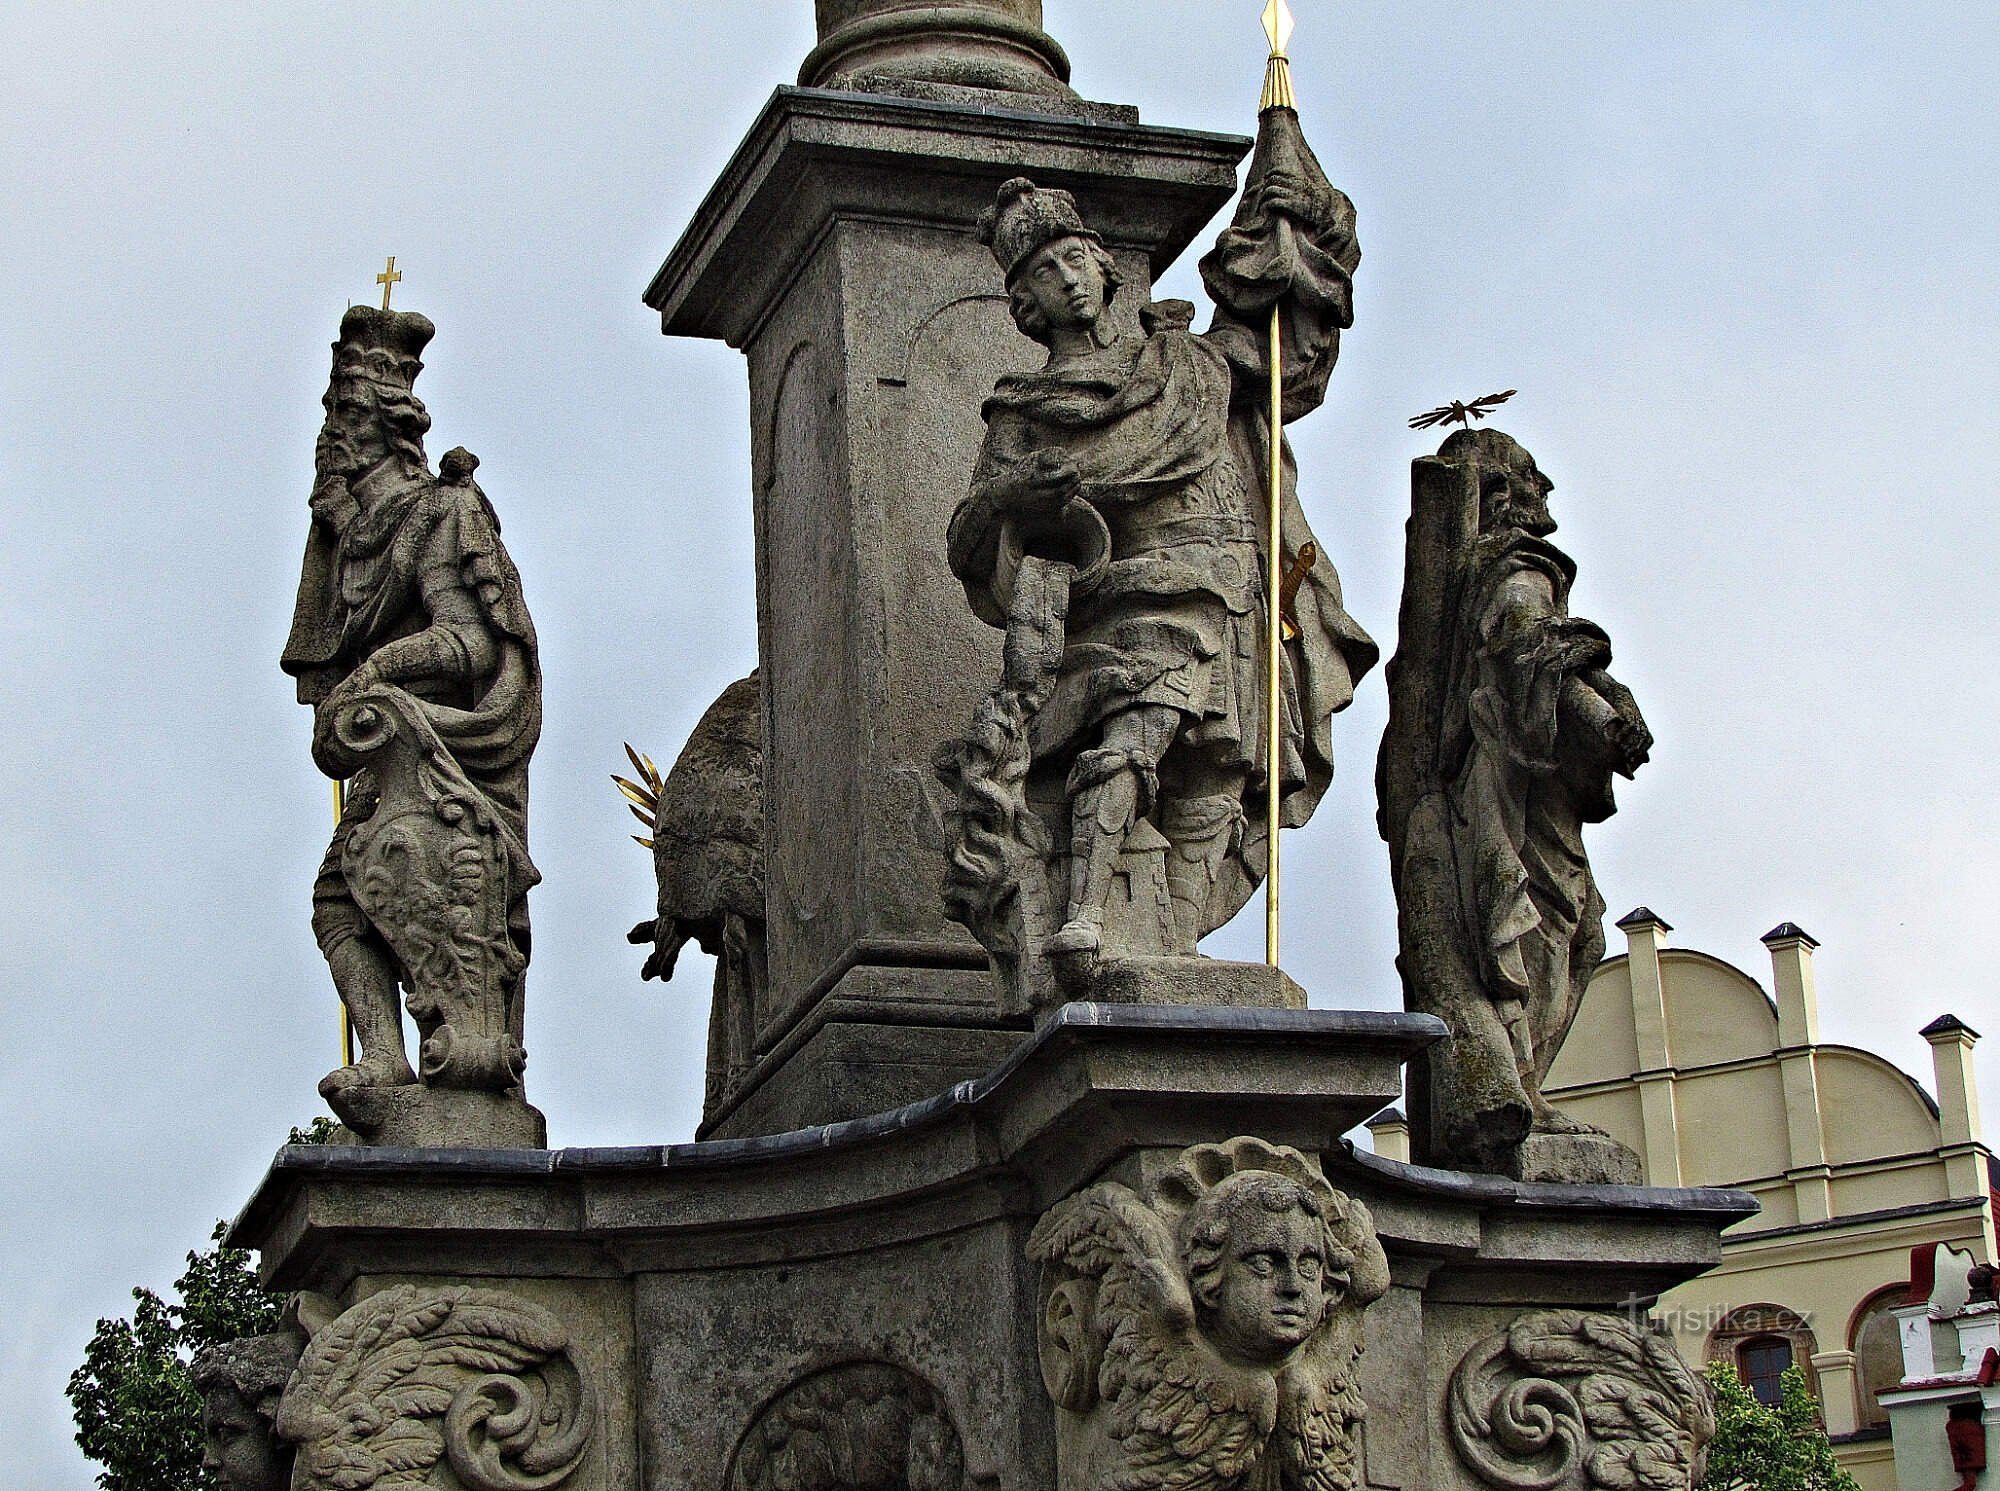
(1110, 792)
(708, 861)
(1505, 731)
(478, 1379)
(1567, 1398)
(413, 646)
(1208, 1335)
(240, 1383)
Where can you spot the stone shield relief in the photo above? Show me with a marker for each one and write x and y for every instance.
(477, 1379)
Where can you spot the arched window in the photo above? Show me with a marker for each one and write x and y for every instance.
(1761, 1363)
(1878, 1353)
(1760, 1341)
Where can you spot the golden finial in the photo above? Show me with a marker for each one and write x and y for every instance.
(1278, 24)
(388, 279)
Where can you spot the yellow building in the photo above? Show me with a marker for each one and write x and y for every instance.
(1715, 1082)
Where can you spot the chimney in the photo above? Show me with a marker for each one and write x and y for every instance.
(1792, 982)
(1952, 1041)
(1391, 1133)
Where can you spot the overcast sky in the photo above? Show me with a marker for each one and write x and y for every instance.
(1740, 259)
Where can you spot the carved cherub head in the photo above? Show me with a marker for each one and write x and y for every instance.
(1262, 1266)
(241, 1383)
(1513, 492)
(1059, 273)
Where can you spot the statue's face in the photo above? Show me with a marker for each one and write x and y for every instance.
(1518, 496)
(238, 1447)
(352, 441)
(1066, 283)
(1274, 1287)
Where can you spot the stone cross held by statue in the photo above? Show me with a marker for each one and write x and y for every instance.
(388, 279)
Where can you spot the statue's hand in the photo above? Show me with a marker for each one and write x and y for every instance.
(1043, 483)
(1289, 193)
(333, 504)
(1631, 740)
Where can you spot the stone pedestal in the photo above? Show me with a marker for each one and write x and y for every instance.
(707, 1303)
(838, 251)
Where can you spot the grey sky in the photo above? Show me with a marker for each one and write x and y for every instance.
(1740, 260)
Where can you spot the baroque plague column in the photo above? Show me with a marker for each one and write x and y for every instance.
(1006, 1188)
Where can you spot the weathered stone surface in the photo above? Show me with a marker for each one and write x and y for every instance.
(1505, 731)
(705, 1285)
(413, 645)
(241, 1383)
(839, 250)
(970, 47)
(866, 1424)
(414, 1379)
(1565, 1397)
(708, 866)
(1208, 1333)
(1109, 798)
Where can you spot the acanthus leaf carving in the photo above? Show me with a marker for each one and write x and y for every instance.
(1573, 1399)
(477, 1378)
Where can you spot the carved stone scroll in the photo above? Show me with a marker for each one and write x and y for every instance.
(865, 1426)
(481, 1380)
(1570, 1399)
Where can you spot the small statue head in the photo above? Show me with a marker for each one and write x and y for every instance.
(240, 1384)
(1513, 492)
(1059, 273)
(371, 410)
(1262, 1266)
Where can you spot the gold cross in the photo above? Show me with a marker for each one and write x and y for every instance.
(388, 279)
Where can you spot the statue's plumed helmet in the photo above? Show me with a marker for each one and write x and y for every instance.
(383, 347)
(1024, 216)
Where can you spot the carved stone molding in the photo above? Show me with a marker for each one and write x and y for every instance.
(1562, 1398)
(1207, 1333)
(479, 1379)
(868, 1425)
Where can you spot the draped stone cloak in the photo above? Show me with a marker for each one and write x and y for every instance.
(1171, 436)
(367, 586)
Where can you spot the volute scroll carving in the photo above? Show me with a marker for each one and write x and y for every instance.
(1565, 1398)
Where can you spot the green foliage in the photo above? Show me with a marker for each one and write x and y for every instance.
(1769, 1449)
(137, 1412)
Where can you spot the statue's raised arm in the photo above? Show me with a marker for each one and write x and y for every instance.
(1111, 793)
(1291, 246)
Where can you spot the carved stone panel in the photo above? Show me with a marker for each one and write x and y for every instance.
(1207, 1333)
(865, 1426)
(1564, 1398)
(413, 1380)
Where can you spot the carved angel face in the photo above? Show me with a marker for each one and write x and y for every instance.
(238, 1447)
(1261, 1268)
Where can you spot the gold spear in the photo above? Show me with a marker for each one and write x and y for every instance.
(1277, 95)
(346, 1020)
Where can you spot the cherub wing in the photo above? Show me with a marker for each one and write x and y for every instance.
(1185, 1419)
(1318, 1438)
